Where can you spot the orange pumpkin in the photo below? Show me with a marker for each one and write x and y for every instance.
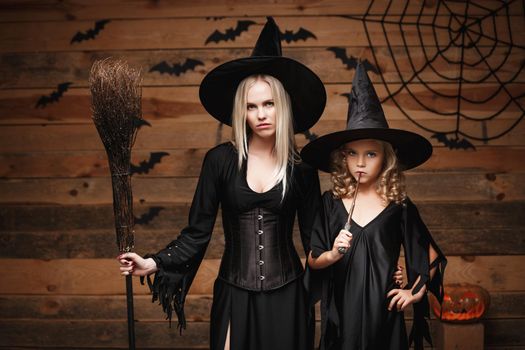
(462, 303)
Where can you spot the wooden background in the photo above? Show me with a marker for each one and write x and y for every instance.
(59, 282)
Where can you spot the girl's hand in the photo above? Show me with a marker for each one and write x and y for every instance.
(401, 298)
(343, 240)
(398, 276)
(134, 264)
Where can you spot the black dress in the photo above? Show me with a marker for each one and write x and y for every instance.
(354, 304)
(259, 291)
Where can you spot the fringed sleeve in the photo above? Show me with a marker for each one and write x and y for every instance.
(179, 261)
(416, 243)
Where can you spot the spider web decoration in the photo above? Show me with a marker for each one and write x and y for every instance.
(472, 43)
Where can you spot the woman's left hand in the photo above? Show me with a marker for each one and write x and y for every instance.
(401, 298)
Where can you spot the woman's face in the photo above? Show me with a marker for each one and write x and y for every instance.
(364, 157)
(260, 110)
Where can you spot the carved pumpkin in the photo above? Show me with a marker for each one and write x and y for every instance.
(462, 303)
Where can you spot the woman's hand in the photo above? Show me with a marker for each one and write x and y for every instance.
(343, 240)
(401, 298)
(134, 264)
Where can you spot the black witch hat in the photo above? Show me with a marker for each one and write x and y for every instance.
(307, 93)
(366, 120)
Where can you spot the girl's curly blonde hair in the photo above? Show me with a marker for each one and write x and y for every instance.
(390, 184)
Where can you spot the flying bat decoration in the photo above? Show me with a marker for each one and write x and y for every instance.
(453, 143)
(214, 18)
(309, 136)
(301, 34)
(44, 100)
(90, 33)
(148, 217)
(140, 122)
(177, 68)
(351, 62)
(231, 33)
(146, 165)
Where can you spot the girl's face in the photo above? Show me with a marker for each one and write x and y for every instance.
(364, 157)
(260, 110)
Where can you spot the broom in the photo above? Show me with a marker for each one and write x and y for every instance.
(116, 103)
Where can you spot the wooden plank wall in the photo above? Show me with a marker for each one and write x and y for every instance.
(59, 283)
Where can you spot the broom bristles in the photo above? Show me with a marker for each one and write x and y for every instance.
(116, 102)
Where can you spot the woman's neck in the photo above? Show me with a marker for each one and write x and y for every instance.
(261, 147)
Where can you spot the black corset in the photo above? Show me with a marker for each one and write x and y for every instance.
(259, 252)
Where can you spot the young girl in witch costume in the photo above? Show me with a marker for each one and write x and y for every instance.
(259, 300)
(361, 307)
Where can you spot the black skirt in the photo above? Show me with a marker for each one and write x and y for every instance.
(274, 320)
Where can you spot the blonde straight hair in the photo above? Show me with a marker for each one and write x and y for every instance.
(284, 148)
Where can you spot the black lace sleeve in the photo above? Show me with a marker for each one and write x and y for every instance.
(179, 261)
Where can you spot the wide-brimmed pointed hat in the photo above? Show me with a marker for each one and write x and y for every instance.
(307, 92)
(366, 120)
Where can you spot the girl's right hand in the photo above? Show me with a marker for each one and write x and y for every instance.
(343, 240)
(134, 264)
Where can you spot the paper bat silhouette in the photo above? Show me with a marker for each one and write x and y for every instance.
(351, 62)
(177, 69)
(54, 96)
(146, 218)
(453, 143)
(139, 122)
(231, 33)
(309, 136)
(347, 95)
(215, 18)
(301, 34)
(146, 165)
(90, 33)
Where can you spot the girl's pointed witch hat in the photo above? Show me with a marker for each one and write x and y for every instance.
(307, 92)
(366, 120)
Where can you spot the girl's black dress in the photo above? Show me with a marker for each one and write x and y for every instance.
(354, 304)
(259, 290)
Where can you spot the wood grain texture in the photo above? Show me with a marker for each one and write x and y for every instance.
(171, 33)
(503, 305)
(166, 134)
(95, 244)
(421, 187)
(78, 276)
(53, 10)
(181, 104)
(31, 70)
(157, 335)
(56, 218)
(187, 162)
(60, 287)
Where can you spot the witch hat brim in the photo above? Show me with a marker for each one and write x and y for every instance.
(306, 90)
(366, 120)
(411, 149)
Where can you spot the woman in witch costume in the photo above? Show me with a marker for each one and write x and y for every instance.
(361, 307)
(259, 299)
